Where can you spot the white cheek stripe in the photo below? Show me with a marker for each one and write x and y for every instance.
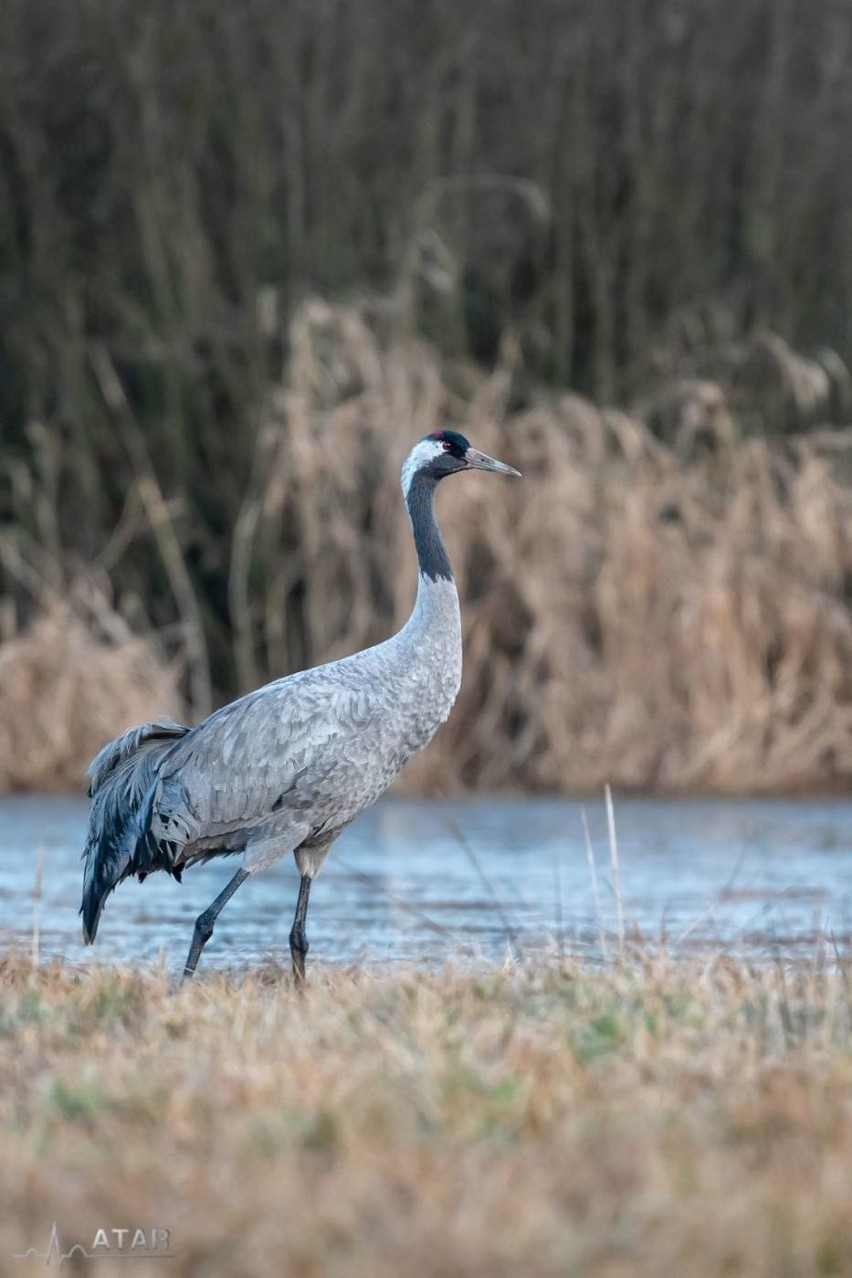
(420, 456)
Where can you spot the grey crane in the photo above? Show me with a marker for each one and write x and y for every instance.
(288, 767)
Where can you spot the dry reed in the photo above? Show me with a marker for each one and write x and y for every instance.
(66, 687)
(654, 615)
(654, 1119)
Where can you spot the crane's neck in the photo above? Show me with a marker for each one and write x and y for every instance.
(432, 558)
(432, 634)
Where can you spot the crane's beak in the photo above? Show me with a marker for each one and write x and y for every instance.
(481, 461)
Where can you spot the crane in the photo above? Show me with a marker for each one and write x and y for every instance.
(286, 768)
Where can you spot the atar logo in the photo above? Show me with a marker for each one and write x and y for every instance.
(107, 1244)
(117, 1240)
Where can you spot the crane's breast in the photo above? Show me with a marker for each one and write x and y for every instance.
(311, 750)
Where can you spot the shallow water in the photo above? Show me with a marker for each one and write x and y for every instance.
(416, 880)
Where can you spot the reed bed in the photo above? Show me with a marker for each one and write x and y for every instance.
(662, 603)
(66, 688)
(649, 1118)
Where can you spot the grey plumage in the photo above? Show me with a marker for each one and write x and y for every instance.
(288, 767)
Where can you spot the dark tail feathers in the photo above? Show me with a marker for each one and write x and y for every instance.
(121, 784)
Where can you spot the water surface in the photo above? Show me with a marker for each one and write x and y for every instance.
(425, 881)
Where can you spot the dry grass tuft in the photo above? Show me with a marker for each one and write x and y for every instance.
(66, 688)
(655, 1119)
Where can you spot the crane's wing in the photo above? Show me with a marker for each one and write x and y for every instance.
(268, 751)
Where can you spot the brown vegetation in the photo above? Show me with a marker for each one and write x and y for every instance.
(654, 614)
(691, 1119)
(65, 688)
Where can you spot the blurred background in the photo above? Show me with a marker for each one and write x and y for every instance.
(249, 253)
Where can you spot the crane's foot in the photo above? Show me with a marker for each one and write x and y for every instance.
(201, 935)
(298, 955)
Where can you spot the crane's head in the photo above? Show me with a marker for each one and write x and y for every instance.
(446, 452)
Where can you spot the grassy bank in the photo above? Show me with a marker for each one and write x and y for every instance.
(691, 1119)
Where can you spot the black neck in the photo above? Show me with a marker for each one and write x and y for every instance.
(431, 551)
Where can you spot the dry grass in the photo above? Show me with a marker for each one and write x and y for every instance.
(691, 1119)
(659, 615)
(67, 686)
(654, 615)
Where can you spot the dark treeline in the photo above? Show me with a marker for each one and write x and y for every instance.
(599, 187)
(160, 163)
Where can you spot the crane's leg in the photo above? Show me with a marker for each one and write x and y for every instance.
(205, 922)
(298, 941)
